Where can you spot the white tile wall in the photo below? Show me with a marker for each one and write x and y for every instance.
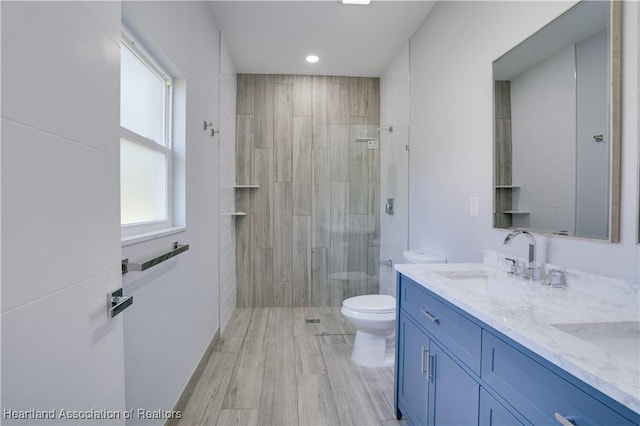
(107, 17)
(111, 401)
(45, 363)
(60, 213)
(227, 174)
(65, 78)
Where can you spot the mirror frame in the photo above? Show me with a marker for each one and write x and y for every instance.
(614, 109)
(638, 137)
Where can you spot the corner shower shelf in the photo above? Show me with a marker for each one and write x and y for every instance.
(516, 212)
(507, 186)
(243, 186)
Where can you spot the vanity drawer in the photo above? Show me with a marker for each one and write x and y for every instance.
(537, 392)
(459, 335)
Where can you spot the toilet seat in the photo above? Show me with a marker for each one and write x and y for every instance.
(371, 303)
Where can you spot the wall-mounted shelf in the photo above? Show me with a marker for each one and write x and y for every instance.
(238, 214)
(515, 212)
(246, 186)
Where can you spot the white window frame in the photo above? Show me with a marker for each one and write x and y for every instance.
(164, 146)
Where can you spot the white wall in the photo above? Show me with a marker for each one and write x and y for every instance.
(175, 313)
(452, 132)
(395, 90)
(227, 171)
(60, 207)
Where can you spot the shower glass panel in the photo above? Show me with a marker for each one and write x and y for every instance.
(355, 213)
(373, 210)
(394, 184)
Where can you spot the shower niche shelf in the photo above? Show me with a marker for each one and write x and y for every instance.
(506, 213)
(243, 186)
(249, 186)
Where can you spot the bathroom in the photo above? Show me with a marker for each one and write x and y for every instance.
(61, 240)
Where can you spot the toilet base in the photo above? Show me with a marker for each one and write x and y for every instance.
(373, 350)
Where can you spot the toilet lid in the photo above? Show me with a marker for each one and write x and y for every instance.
(372, 303)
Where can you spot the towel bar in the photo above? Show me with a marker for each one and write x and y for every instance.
(141, 266)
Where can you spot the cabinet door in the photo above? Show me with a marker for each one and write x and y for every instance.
(413, 391)
(539, 393)
(492, 413)
(455, 393)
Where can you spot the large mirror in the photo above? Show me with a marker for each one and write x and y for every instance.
(557, 127)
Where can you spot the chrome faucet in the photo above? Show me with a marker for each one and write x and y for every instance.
(532, 246)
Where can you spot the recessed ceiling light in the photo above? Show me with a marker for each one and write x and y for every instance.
(312, 59)
(356, 1)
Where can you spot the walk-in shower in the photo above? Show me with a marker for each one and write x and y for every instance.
(315, 228)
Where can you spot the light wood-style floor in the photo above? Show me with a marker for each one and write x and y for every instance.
(271, 367)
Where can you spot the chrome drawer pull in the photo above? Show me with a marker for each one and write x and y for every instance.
(563, 421)
(429, 316)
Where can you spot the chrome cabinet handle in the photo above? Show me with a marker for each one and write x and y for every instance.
(424, 351)
(563, 421)
(429, 316)
(431, 367)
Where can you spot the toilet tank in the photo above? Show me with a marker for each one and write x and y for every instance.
(419, 256)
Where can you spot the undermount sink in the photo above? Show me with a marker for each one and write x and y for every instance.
(492, 284)
(463, 275)
(621, 339)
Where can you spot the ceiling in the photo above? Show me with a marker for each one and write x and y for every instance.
(274, 37)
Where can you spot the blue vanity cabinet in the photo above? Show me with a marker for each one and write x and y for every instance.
(432, 388)
(541, 392)
(492, 413)
(453, 369)
(412, 385)
(455, 392)
(446, 324)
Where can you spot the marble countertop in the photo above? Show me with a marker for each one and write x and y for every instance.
(547, 319)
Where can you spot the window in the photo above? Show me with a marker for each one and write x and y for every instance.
(145, 141)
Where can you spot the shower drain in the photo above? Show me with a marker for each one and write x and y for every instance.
(313, 320)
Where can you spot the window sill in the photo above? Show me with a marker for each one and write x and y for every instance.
(139, 238)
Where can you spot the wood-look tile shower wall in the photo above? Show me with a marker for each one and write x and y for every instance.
(311, 236)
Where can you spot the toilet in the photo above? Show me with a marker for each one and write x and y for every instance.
(374, 318)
